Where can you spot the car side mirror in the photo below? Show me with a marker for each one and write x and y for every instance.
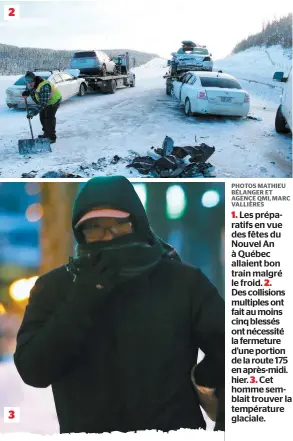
(279, 76)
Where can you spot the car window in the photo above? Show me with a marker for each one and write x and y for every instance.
(85, 54)
(21, 82)
(192, 79)
(200, 51)
(223, 83)
(57, 78)
(66, 77)
(187, 78)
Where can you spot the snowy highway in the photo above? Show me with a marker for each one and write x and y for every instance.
(93, 129)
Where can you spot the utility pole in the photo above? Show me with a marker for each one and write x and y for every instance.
(57, 242)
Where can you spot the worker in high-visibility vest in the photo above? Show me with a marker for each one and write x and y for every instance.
(47, 99)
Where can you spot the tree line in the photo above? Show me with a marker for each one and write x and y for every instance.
(273, 33)
(16, 60)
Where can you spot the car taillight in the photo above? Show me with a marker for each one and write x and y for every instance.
(202, 95)
(207, 59)
(246, 99)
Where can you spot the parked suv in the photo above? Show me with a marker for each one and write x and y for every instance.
(92, 62)
(283, 121)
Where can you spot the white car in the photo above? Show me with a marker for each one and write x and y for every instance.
(211, 93)
(283, 121)
(69, 85)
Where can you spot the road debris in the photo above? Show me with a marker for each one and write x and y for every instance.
(171, 161)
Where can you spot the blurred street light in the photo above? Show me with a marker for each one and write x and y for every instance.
(142, 193)
(210, 199)
(2, 309)
(34, 212)
(32, 188)
(176, 202)
(20, 289)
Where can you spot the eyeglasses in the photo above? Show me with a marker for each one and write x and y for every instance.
(106, 229)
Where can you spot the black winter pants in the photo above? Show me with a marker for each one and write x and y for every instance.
(48, 120)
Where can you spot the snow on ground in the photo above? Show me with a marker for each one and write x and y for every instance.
(37, 408)
(93, 129)
(258, 64)
(155, 63)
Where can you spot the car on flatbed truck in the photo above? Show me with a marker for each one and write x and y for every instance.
(92, 63)
(122, 77)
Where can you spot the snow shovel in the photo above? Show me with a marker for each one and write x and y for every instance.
(29, 146)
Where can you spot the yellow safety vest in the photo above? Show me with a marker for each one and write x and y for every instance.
(55, 93)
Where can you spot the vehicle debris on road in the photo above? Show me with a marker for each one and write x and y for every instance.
(171, 161)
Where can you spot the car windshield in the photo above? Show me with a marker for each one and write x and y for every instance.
(223, 83)
(84, 54)
(201, 51)
(21, 81)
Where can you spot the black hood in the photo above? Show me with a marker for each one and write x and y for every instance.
(115, 192)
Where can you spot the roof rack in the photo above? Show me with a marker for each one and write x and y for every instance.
(46, 70)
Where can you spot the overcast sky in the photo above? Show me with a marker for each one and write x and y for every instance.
(156, 26)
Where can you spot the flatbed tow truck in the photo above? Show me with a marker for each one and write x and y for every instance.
(110, 83)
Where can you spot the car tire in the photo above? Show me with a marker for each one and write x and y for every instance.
(82, 90)
(132, 84)
(169, 88)
(112, 86)
(280, 122)
(187, 107)
(115, 72)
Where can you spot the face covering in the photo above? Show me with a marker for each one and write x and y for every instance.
(134, 253)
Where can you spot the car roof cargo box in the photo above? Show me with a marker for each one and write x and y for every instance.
(188, 43)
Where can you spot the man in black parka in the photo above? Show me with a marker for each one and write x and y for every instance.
(116, 332)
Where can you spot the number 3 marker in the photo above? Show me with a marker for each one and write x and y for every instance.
(11, 414)
(11, 12)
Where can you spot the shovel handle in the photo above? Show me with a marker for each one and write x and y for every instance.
(25, 99)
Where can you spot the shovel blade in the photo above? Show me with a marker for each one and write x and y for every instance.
(32, 146)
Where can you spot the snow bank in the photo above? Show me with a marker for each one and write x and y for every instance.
(155, 63)
(257, 64)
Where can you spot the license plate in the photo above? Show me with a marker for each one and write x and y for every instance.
(225, 99)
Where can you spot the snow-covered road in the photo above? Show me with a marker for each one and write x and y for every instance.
(95, 128)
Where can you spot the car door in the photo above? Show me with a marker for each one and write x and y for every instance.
(60, 84)
(187, 86)
(184, 88)
(71, 85)
(177, 86)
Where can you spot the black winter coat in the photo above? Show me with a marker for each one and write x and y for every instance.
(126, 366)
(125, 363)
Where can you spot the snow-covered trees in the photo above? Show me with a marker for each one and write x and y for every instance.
(15, 60)
(276, 32)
